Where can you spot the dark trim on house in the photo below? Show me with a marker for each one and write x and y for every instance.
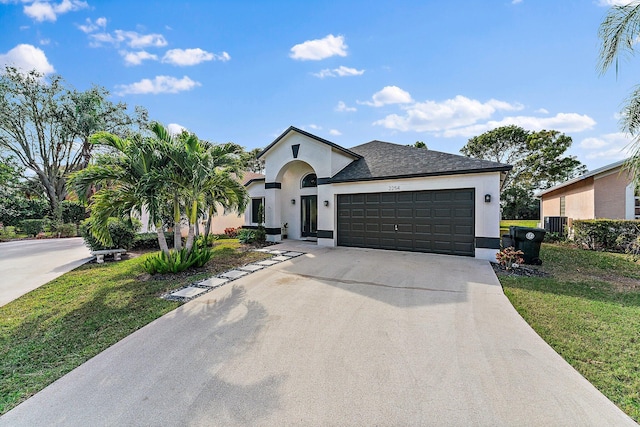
(250, 227)
(421, 175)
(324, 181)
(251, 181)
(268, 185)
(488, 242)
(312, 136)
(325, 234)
(273, 231)
(295, 148)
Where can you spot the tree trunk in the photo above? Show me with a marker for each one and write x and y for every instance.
(193, 217)
(207, 228)
(177, 233)
(162, 241)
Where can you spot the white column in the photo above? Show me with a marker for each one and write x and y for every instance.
(272, 213)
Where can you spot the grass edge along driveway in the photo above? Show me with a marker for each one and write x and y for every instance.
(57, 327)
(588, 310)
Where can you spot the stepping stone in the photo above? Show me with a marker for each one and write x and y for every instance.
(234, 274)
(213, 282)
(188, 292)
(251, 268)
(262, 250)
(281, 258)
(277, 252)
(294, 254)
(267, 262)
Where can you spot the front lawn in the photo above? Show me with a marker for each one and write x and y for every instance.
(588, 310)
(55, 328)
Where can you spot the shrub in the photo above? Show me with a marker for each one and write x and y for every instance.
(509, 257)
(247, 235)
(177, 261)
(31, 227)
(554, 237)
(65, 230)
(231, 232)
(122, 234)
(206, 240)
(7, 232)
(261, 234)
(604, 234)
(150, 240)
(72, 211)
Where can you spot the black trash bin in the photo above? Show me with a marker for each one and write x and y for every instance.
(528, 240)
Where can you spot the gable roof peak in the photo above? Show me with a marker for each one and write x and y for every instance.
(309, 135)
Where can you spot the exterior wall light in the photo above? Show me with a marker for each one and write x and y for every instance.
(326, 203)
(293, 201)
(487, 198)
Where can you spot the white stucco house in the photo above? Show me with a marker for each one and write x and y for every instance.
(377, 195)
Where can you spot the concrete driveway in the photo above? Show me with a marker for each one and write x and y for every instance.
(335, 337)
(28, 264)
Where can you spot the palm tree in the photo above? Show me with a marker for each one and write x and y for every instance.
(619, 34)
(129, 180)
(205, 176)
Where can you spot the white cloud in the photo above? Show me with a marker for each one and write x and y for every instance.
(136, 58)
(186, 57)
(45, 42)
(318, 49)
(133, 39)
(341, 71)
(335, 132)
(176, 129)
(160, 84)
(315, 127)
(462, 116)
(516, 1)
(614, 2)
(342, 107)
(563, 122)
(26, 58)
(440, 116)
(388, 95)
(612, 146)
(89, 26)
(46, 11)
(542, 111)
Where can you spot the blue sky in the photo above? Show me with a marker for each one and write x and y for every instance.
(352, 71)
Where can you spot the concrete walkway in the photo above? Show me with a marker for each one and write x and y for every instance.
(334, 337)
(28, 264)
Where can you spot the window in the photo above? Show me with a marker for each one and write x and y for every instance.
(562, 206)
(255, 211)
(310, 180)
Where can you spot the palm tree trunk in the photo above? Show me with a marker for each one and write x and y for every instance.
(207, 228)
(162, 241)
(177, 234)
(193, 217)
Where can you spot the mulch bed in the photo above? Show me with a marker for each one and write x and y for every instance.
(520, 271)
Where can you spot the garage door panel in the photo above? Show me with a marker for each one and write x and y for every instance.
(440, 221)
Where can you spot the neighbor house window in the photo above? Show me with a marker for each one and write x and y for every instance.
(562, 206)
(310, 180)
(255, 210)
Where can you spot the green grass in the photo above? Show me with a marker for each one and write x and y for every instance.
(505, 223)
(589, 312)
(55, 328)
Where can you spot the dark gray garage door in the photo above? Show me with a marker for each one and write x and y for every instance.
(439, 221)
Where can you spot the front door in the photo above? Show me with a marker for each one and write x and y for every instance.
(309, 216)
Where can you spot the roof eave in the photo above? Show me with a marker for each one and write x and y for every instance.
(424, 175)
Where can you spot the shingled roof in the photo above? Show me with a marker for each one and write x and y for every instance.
(383, 160)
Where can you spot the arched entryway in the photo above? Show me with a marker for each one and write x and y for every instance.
(299, 200)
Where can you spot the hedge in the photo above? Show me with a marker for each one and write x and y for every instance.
(605, 234)
(31, 227)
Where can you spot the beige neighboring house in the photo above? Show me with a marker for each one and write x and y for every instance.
(608, 192)
(219, 222)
